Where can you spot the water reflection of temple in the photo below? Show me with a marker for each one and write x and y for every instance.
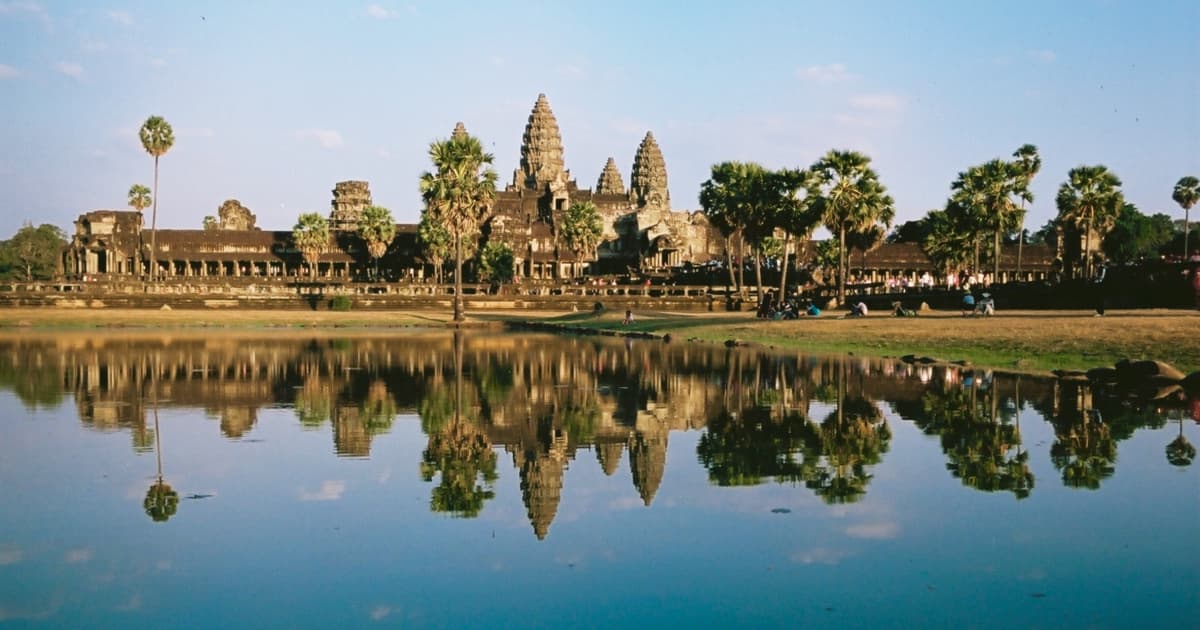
(541, 400)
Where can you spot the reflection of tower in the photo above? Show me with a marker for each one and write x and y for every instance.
(647, 462)
(609, 456)
(236, 421)
(350, 435)
(542, 482)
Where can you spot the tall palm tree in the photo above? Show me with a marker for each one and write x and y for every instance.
(851, 199)
(157, 138)
(436, 239)
(139, 197)
(1186, 194)
(377, 228)
(1090, 200)
(460, 191)
(581, 229)
(1028, 163)
(719, 201)
(987, 191)
(795, 215)
(311, 236)
(948, 244)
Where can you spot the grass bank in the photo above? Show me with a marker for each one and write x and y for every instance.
(1035, 341)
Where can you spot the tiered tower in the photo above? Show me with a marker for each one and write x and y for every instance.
(648, 184)
(610, 180)
(349, 200)
(541, 152)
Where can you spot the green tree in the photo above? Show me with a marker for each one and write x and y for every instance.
(377, 228)
(157, 138)
(33, 252)
(496, 262)
(1135, 235)
(915, 231)
(948, 243)
(1028, 163)
(436, 239)
(1186, 194)
(211, 223)
(850, 199)
(311, 236)
(581, 229)
(460, 192)
(161, 501)
(796, 212)
(1090, 200)
(139, 197)
(987, 193)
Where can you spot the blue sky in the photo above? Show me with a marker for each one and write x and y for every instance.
(274, 102)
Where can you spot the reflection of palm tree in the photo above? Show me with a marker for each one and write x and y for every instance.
(1084, 452)
(1180, 452)
(461, 453)
(853, 437)
(161, 500)
(313, 402)
(743, 449)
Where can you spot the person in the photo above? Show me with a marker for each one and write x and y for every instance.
(986, 306)
(858, 310)
(628, 317)
(1196, 283)
(1098, 281)
(899, 311)
(968, 304)
(812, 310)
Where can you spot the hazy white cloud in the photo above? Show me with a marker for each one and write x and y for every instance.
(33, 9)
(381, 12)
(329, 491)
(874, 531)
(10, 556)
(380, 613)
(93, 46)
(327, 138)
(878, 102)
(1043, 55)
(124, 18)
(132, 604)
(78, 556)
(819, 555)
(497, 61)
(8, 72)
(830, 73)
(70, 69)
(158, 63)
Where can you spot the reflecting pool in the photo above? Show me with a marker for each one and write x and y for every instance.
(491, 480)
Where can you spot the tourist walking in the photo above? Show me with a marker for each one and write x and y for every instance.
(1098, 281)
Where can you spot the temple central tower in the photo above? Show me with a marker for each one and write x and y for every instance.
(541, 152)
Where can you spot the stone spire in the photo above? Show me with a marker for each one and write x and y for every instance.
(349, 200)
(648, 185)
(541, 488)
(541, 150)
(460, 131)
(610, 180)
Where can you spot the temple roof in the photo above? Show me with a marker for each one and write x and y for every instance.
(610, 180)
(649, 179)
(541, 148)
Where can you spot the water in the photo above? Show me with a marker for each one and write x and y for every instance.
(356, 480)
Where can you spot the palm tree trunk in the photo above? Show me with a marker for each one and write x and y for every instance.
(1185, 234)
(458, 314)
(842, 266)
(741, 285)
(996, 258)
(1087, 248)
(758, 272)
(1020, 240)
(787, 241)
(154, 225)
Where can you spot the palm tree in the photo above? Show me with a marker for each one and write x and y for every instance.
(432, 233)
(139, 197)
(459, 192)
(987, 191)
(581, 229)
(1028, 163)
(311, 236)
(850, 199)
(1186, 194)
(795, 214)
(377, 228)
(719, 201)
(1090, 200)
(157, 138)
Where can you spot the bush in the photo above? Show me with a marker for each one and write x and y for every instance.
(340, 303)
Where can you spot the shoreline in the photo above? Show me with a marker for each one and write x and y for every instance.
(1024, 341)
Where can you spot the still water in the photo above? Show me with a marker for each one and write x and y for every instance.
(496, 480)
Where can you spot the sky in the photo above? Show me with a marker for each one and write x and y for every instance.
(272, 103)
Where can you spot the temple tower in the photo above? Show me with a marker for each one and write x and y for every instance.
(460, 131)
(610, 180)
(541, 152)
(648, 184)
(349, 200)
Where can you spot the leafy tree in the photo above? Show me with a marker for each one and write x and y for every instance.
(436, 239)
(139, 197)
(915, 231)
(460, 192)
(161, 501)
(377, 228)
(1027, 163)
(157, 138)
(727, 199)
(33, 252)
(211, 223)
(496, 262)
(1135, 235)
(311, 236)
(1090, 200)
(1186, 194)
(986, 192)
(851, 199)
(795, 212)
(581, 228)
(948, 243)
(461, 454)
